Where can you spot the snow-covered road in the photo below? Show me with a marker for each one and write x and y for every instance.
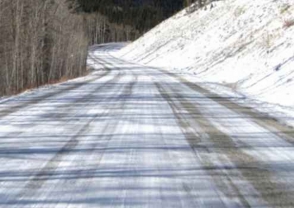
(135, 136)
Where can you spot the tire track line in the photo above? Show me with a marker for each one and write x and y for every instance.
(250, 168)
(18, 107)
(48, 170)
(262, 119)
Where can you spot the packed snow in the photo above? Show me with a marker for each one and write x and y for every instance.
(133, 136)
(244, 48)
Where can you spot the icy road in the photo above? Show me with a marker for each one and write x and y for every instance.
(134, 136)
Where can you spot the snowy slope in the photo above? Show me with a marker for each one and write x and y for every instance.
(247, 45)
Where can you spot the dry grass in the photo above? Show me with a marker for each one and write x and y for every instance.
(51, 82)
(239, 11)
(285, 8)
(288, 23)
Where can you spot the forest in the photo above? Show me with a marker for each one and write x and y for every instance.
(44, 41)
(41, 42)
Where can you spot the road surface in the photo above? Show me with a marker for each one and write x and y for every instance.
(134, 136)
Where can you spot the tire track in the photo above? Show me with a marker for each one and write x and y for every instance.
(18, 107)
(37, 181)
(52, 165)
(262, 119)
(258, 174)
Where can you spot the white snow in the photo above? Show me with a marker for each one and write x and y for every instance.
(239, 47)
(135, 136)
(129, 135)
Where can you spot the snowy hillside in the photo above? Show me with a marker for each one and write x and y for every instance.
(247, 45)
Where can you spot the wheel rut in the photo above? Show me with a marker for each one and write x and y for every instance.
(198, 130)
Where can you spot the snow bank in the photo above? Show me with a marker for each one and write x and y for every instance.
(247, 45)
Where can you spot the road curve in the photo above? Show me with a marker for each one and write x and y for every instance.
(135, 136)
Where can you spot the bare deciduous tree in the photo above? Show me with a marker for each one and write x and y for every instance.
(41, 41)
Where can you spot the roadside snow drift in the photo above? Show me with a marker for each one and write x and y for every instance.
(243, 44)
